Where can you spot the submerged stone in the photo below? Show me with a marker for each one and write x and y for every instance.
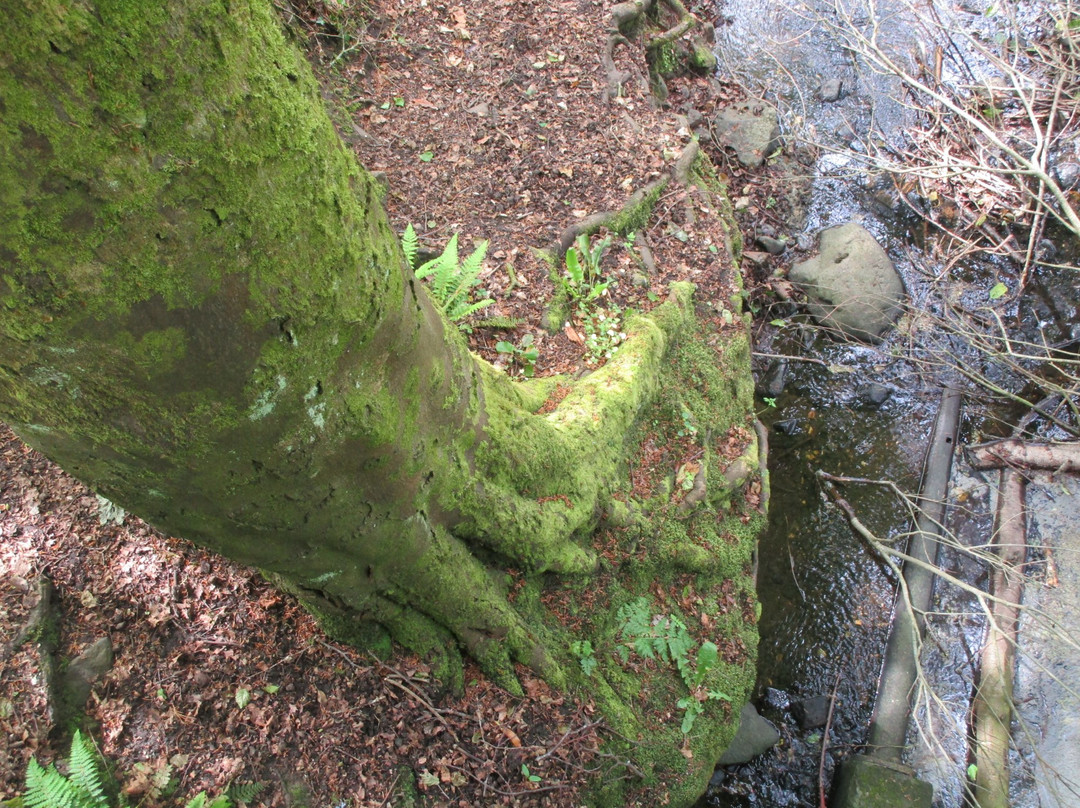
(831, 90)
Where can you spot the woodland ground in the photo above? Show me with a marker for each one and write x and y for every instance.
(488, 120)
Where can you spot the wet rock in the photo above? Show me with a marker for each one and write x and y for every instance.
(754, 736)
(846, 133)
(736, 474)
(81, 674)
(884, 201)
(751, 129)
(694, 119)
(873, 394)
(1067, 175)
(772, 384)
(758, 259)
(811, 713)
(789, 426)
(776, 699)
(1045, 250)
(702, 58)
(866, 782)
(831, 90)
(851, 285)
(804, 243)
(773, 246)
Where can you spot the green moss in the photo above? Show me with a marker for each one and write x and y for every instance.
(635, 216)
(664, 59)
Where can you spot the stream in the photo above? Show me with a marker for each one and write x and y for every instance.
(861, 411)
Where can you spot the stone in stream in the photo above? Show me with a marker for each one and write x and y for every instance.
(831, 90)
(772, 383)
(754, 736)
(851, 285)
(867, 782)
(811, 713)
(751, 129)
(873, 394)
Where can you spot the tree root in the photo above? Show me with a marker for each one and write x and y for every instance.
(67, 686)
(637, 208)
(686, 21)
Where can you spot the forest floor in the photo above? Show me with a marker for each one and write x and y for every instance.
(489, 120)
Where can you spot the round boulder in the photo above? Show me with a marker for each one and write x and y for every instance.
(851, 285)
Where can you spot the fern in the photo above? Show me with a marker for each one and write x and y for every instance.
(410, 245)
(244, 793)
(451, 280)
(83, 787)
(665, 637)
(200, 801)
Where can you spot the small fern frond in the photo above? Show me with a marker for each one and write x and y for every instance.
(410, 245)
(474, 263)
(463, 311)
(84, 772)
(244, 793)
(47, 788)
(446, 279)
(468, 275)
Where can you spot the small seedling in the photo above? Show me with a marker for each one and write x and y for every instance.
(583, 650)
(524, 354)
(583, 282)
(603, 334)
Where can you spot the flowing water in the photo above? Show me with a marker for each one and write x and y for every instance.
(826, 600)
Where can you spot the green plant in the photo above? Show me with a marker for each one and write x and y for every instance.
(664, 637)
(688, 429)
(452, 281)
(583, 282)
(602, 333)
(82, 787)
(583, 650)
(88, 784)
(524, 354)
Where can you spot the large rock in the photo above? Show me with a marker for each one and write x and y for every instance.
(851, 285)
(751, 129)
(754, 736)
(866, 782)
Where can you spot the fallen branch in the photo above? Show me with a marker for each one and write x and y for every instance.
(1015, 453)
(825, 743)
(993, 703)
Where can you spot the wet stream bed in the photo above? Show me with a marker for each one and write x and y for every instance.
(862, 411)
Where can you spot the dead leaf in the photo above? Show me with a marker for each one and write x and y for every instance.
(511, 736)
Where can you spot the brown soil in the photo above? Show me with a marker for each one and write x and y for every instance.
(489, 120)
